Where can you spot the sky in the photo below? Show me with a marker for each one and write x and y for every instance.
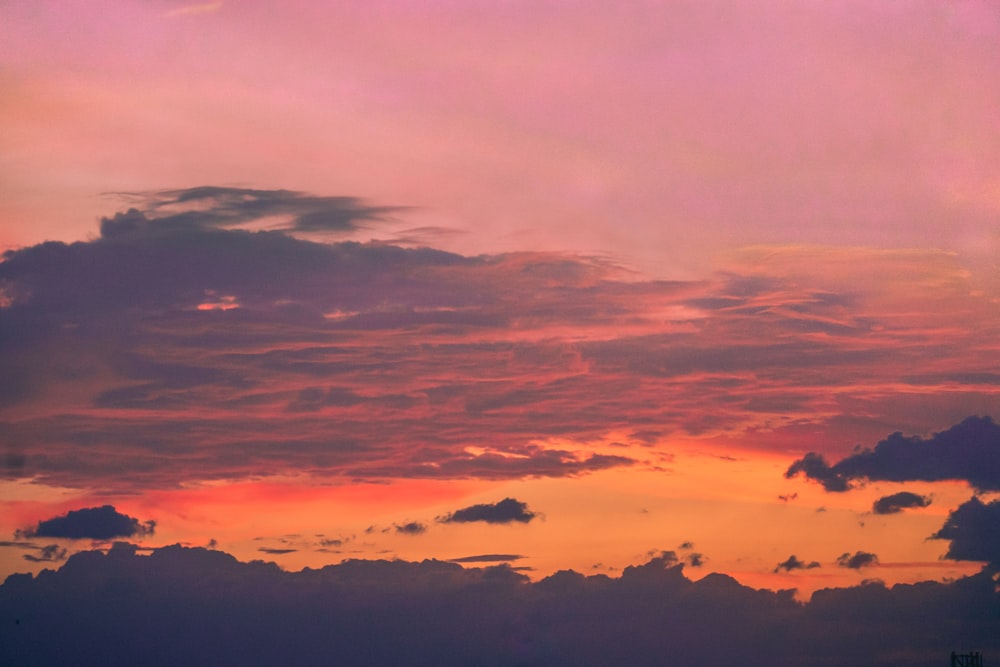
(701, 292)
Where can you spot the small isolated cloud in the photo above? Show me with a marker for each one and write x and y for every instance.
(897, 502)
(788, 498)
(696, 559)
(488, 558)
(858, 560)
(507, 510)
(974, 531)
(793, 563)
(967, 451)
(51, 553)
(275, 551)
(411, 528)
(93, 523)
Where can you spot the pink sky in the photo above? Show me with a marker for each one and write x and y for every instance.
(692, 241)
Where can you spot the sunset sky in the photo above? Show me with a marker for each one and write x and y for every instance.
(562, 285)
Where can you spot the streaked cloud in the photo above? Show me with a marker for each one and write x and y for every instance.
(188, 333)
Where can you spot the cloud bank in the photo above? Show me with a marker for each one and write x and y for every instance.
(178, 602)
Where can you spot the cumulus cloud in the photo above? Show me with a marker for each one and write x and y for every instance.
(191, 601)
(967, 451)
(507, 510)
(974, 531)
(857, 560)
(94, 523)
(793, 563)
(897, 502)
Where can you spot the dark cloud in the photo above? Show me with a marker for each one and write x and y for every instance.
(175, 603)
(487, 558)
(695, 559)
(210, 207)
(974, 531)
(814, 466)
(51, 553)
(94, 523)
(410, 528)
(967, 451)
(857, 560)
(274, 551)
(507, 510)
(793, 563)
(897, 502)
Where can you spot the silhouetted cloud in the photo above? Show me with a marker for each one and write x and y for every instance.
(857, 560)
(410, 528)
(793, 563)
(94, 523)
(974, 531)
(967, 451)
(51, 553)
(210, 207)
(487, 558)
(507, 510)
(897, 502)
(177, 602)
(275, 551)
(814, 466)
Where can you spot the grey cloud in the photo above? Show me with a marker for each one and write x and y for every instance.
(793, 563)
(857, 560)
(276, 551)
(95, 523)
(487, 558)
(51, 553)
(507, 510)
(410, 528)
(967, 451)
(897, 502)
(214, 206)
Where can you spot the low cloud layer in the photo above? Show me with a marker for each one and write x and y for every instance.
(93, 523)
(507, 510)
(968, 451)
(177, 602)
